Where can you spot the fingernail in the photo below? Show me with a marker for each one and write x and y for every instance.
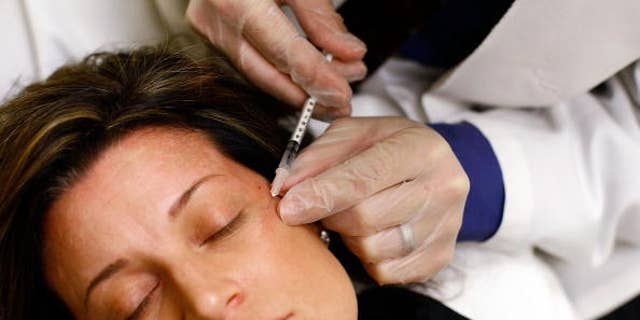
(338, 96)
(290, 209)
(357, 73)
(381, 275)
(332, 111)
(339, 113)
(356, 43)
(327, 117)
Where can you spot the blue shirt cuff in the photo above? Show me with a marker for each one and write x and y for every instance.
(485, 202)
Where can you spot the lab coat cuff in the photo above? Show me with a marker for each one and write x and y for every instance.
(485, 201)
(515, 230)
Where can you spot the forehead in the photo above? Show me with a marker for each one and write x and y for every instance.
(115, 203)
(149, 149)
(147, 165)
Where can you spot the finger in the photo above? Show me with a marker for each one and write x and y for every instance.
(350, 70)
(386, 209)
(382, 165)
(325, 27)
(342, 140)
(248, 60)
(389, 243)
(437, 217)
(294, 55)
(329, 114)
(440, 219)
(419, 266)
(266, 77)
(416, 268)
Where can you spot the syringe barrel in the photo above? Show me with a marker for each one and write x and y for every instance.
(289, 154)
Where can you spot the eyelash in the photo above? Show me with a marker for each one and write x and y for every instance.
(142, 307)
(220, 234)
(226, 230)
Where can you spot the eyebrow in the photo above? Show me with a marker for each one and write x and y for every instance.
(177, 207)
(114, 267)
(105, 274)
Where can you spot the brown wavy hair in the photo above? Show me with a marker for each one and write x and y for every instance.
(53, 130)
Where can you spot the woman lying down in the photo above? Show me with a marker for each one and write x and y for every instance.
(134, 186)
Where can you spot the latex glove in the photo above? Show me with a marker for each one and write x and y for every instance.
(262, 42)
(366, 177)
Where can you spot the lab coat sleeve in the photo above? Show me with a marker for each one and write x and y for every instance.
(571, 173)
(485, 201)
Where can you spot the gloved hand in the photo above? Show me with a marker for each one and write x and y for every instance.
(263, 44)
(370, 178)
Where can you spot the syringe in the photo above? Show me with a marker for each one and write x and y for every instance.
(291, 151)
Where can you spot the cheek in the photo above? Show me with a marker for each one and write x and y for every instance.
(282, 264)
(297, 265)
(279, 239)
(294, 251)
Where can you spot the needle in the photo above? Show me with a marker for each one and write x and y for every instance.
(293, 145)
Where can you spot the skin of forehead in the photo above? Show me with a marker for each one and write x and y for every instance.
(142, 143)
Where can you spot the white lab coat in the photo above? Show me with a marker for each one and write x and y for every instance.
(38, 36)
(568, 244)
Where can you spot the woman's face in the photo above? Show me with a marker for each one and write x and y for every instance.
(164, 226)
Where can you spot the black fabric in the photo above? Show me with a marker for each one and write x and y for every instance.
(454, 30)
(395, 303)
(629, 311)
(382, 303)
(385, 25)
(438, 33)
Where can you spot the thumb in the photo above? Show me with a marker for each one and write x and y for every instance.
(380, 166)
(345, 138)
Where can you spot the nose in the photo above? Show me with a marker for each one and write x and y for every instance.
(205, 295)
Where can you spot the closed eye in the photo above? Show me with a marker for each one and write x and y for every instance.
(143, 306)
(227, 230)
